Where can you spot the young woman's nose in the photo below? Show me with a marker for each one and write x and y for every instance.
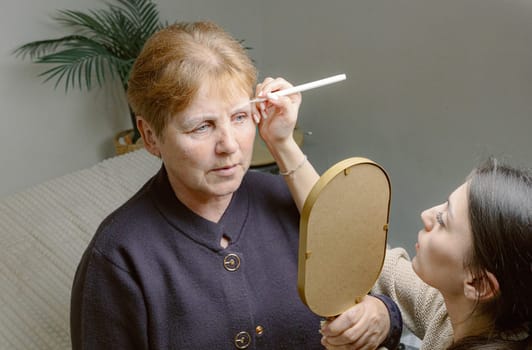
(428, 218)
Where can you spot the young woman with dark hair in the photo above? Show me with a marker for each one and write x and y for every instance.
(500, 259)
(469, 285)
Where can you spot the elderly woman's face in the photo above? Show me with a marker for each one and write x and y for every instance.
(443, 244)
(207, 148)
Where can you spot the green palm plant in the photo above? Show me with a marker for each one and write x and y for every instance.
(102, 46)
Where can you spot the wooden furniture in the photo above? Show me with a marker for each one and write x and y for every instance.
(262, 159)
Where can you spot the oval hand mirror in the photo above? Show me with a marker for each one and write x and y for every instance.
(343, 229)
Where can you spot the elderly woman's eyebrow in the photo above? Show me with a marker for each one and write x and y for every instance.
(242, 107)
(192, 121)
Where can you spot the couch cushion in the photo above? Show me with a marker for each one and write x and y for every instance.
(43, 233)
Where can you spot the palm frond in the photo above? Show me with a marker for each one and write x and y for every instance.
(142, 14)
(80, 21)
(95, 24)
(105, 43)
(76, 64)
(39, 48)
(136, 20)
(123, 36)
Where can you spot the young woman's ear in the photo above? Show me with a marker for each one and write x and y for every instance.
(481, 288)
(148, 137)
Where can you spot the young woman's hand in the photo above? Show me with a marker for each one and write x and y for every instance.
(364, 326)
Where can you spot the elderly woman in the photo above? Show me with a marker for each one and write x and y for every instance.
(204, 256)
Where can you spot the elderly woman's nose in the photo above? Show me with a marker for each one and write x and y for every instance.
(227, 141)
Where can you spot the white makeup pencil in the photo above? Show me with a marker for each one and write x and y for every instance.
(302, 87)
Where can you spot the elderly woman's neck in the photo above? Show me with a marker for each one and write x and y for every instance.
(466, 318)
(212, 210)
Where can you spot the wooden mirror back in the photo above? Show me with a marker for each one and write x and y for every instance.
(343, 231)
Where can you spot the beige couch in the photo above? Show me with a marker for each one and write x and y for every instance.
(43, 232)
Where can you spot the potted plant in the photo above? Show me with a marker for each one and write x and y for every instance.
(102, 46)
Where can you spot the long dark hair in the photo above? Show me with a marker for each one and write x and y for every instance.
(500, 216)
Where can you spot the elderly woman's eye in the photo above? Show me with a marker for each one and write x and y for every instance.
(202, 128)
(240, 117)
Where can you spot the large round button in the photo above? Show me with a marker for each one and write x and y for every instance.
(231, 262)
(242, 340)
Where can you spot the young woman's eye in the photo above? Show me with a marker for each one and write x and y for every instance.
(439, 218)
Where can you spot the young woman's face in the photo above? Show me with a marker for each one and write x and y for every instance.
(207, 148)
(444, 243)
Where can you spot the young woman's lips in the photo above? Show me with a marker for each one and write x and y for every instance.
(417, 242)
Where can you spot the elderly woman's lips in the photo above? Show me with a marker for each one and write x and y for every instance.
(225, 167)
(226, 170)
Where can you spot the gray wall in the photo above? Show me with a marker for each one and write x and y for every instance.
(433, 87)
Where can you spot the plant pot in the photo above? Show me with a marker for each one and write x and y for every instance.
(123, 142)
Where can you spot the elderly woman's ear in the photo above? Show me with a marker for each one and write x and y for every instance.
(148, 136)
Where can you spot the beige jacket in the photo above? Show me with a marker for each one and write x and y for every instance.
(422, 306)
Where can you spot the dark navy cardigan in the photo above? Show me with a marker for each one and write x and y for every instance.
(155, 277)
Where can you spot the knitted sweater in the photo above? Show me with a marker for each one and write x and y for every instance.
(422, 307)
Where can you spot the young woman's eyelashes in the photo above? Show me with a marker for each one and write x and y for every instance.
(439, 218)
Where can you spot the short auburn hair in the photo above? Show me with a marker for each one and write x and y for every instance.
(177, 60)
